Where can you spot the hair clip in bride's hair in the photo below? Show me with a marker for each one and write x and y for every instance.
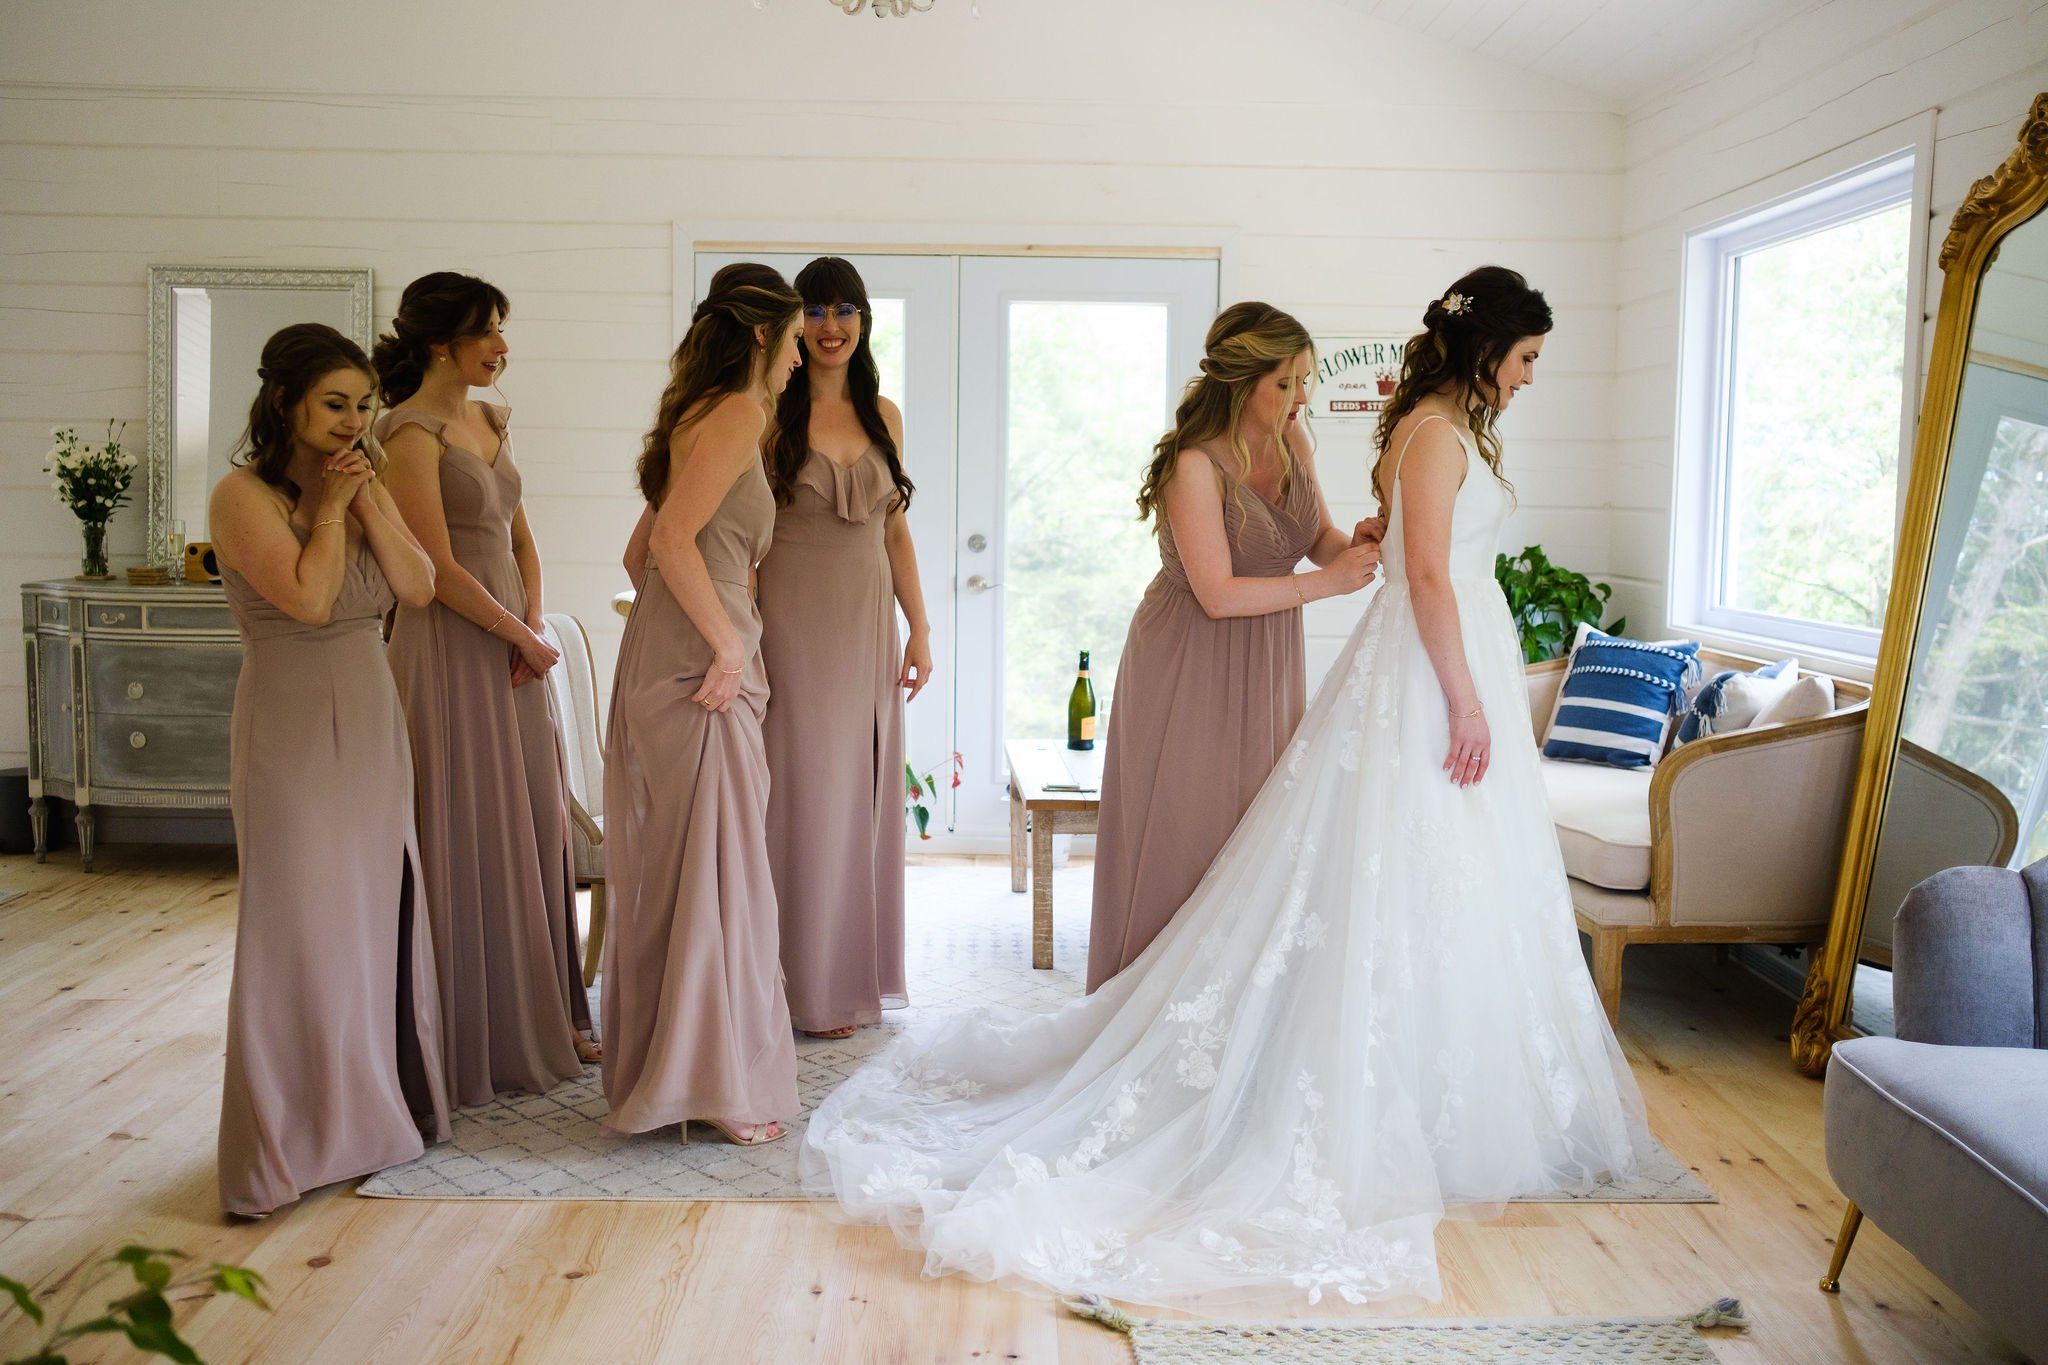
(1456, 303)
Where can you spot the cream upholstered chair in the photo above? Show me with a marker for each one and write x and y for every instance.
(572, 686)
(1734, 838)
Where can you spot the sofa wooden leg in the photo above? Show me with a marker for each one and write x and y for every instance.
(1607, 948)
(1831, 1283)
(593, 942)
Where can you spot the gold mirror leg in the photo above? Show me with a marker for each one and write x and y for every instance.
(1852, 1219)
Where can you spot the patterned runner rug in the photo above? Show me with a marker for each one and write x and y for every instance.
(968, 940)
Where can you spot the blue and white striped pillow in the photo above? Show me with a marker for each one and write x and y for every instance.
(1619, 697)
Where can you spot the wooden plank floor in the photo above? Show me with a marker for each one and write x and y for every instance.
(113, 991)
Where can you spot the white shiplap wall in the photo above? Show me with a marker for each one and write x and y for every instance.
(1800, 101)
(1359, 167)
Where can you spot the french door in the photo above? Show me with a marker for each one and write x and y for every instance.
(1032, 389)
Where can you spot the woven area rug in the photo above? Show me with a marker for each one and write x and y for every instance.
(1637, 1341)
(968, 941)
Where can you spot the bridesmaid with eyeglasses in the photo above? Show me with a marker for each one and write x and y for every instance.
(841, 564)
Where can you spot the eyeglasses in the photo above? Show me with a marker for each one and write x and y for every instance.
(815, 312)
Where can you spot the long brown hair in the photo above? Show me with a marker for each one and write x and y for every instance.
(433, 311)
(1466, 333)
(294, 360)
(1246, 342)
(716, 357)
(824, 282)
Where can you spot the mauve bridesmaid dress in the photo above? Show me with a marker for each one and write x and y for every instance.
(835, 744)
(695, 1021)
(333, 1021)
(1203, 709)
(493, 798)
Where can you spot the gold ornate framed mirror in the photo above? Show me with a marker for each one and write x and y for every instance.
(1954, 766)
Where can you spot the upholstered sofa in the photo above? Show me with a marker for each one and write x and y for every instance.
(1940, 1135)
(1733, 838)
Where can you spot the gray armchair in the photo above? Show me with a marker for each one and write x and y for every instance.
(1941, 1134)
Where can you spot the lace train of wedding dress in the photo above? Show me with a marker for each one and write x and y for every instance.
(1372, 1008)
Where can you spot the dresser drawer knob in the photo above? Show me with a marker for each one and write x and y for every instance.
(136, 739)
(135, 691)
(113, 618)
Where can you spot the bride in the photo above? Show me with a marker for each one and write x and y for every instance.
(1372, 1008)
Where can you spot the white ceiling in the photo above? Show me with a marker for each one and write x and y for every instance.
(1622, 51)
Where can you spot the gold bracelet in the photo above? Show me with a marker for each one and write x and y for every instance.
(331, 521)
(741, 669)
(492, 628)
(1294, 581)
(1467, 715)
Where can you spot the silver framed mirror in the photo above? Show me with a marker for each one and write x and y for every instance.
(207, 326)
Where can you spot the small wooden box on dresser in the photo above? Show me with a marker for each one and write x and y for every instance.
(130, 690)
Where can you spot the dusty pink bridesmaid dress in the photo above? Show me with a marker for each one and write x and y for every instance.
(1202, 712)
(835, 744)
(695, 1021)
(333, 1021)
(493, 799)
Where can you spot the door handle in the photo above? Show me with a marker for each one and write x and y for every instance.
(978, 583)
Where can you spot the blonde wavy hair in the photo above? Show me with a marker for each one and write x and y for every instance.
(1246, 343)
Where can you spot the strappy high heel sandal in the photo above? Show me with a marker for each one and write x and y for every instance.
(761, 1136)
(846, 1032)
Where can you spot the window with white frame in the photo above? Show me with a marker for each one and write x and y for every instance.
(1791, 422)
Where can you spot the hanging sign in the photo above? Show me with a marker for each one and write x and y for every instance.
(1355, 377)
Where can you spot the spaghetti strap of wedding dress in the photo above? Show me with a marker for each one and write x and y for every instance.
(1372, 1008)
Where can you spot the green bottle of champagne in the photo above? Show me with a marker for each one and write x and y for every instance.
(1081, 710)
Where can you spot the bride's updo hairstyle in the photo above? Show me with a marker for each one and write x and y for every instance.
(1245, 344)
(1466, 334)
(717, 356)
(435, 310)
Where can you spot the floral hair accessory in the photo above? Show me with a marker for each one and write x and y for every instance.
(1456, 303)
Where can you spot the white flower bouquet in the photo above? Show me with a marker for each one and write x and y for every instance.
(93, 482)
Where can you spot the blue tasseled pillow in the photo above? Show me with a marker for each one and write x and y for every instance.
(1619, 697)
(1732, 700)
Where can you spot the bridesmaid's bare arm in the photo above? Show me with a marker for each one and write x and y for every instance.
(526, 554)
(903, 580)
(1330, 542)
(405, 563)
(252, 534)
(414, 477)
(1193, 504)
(636, 548)
(704, 461)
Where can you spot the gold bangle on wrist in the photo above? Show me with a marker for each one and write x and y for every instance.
(1294, 581)
(330, 521)
(492, 628)
(1467, 715)
(741, 669)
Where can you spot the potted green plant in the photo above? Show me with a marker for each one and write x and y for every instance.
(1548, 601)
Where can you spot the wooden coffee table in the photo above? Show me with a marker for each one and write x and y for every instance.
(1053, 790)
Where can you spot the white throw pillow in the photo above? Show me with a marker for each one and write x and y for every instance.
(1805, 699)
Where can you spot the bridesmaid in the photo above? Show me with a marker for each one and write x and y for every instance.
(1212, 684)
(695, 1021)
(841, 563)
(333, 1022)
(494, 822)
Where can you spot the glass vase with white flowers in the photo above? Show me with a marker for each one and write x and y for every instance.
(93, 482)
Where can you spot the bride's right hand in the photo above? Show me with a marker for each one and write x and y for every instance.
(1471, 749)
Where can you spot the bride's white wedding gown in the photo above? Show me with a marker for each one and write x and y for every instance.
(1373, 1007)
